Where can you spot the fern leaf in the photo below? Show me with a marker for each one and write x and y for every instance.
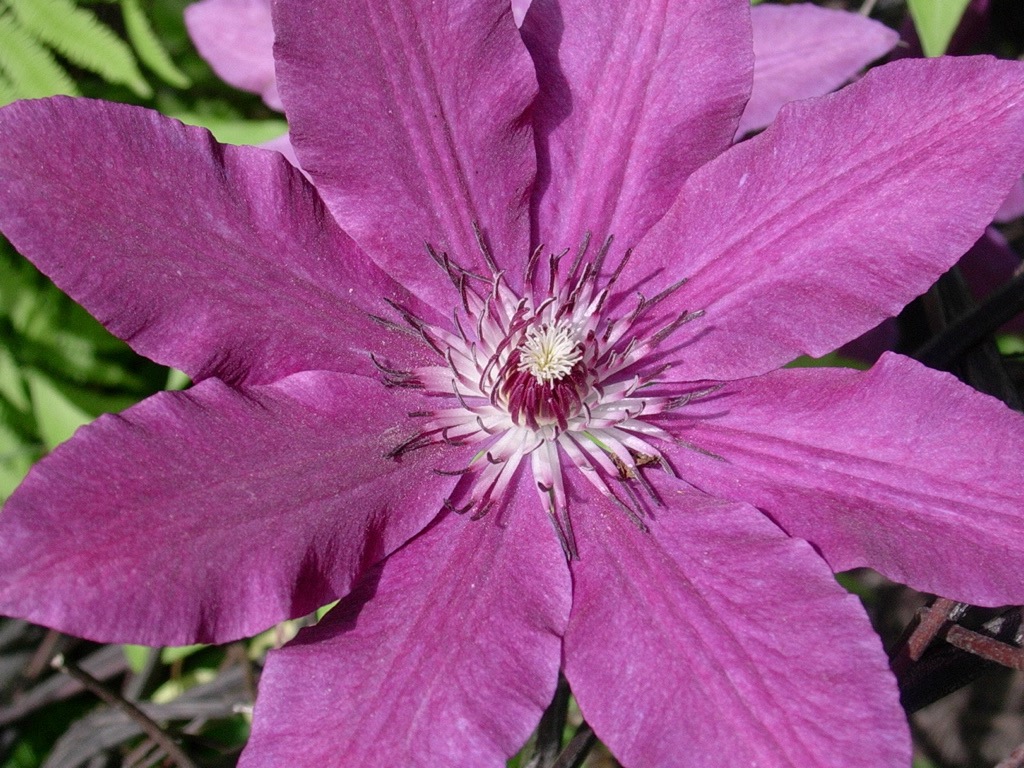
(77, 34)
(148, 46)
(28, 66)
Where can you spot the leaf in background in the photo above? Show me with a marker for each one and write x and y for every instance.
(77, 34)
(936, 20)
(148, 46)
(137, 656)
(12, 384)
(19, 448)
(235, 131)
(59, 368)
(173, 653)
(175, 687)
(7, 94)
(1010, 344)
(47, 331)
(177, 379)
(831, 360)
(56, 415)
(30, 68)
(20, 445)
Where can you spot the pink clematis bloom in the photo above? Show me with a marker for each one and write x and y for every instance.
(802, 51)
(647, 501)
(236, 37)
(791, 61)
(1013, 206)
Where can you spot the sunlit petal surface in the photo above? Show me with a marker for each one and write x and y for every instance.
(425, 133)
(455, 639)
(776, 663)
(804, 50)
(895, 468)
(217, 513)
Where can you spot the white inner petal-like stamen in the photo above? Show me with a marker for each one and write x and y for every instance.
(550, 376)
(549, 352)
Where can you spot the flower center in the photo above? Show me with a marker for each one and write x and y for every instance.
(549, 352)
(552, 377)
(543, 382)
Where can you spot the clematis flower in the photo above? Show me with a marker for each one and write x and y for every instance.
(991, 261)
(507, 382)
(790, 62)
(802, 51)
(236, 38)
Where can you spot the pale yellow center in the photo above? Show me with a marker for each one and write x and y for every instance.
(549, 352)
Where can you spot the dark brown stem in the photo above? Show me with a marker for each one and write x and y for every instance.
(578, 749)
(140, 718)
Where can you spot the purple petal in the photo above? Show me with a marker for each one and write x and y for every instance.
(519, 9)
(987, 265)
(717, 637)
(1013, 206)
(236, 38)
(214, 513)
(412, 120)
(900, 468)
(802, 51)
(840, 213)
(635, 95)
(217, 260)
(451, 651)
(283, 144)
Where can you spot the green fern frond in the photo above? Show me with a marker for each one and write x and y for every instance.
(28, 66)
(148, 46)
(77, 34)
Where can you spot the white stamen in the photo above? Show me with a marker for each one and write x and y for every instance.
(549, 352)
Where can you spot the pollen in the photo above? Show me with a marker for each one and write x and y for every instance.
(550, 351)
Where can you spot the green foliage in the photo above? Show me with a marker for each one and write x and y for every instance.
(235, 131)
(59, 369)
(148, 46)
(831, 360)
(56, 415)
(137, 656)
(39, 733)
(29, 69)
(37, 37)
(81, 38)
(936, 20)
(1010, 344)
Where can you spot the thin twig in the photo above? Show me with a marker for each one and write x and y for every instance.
(579, 747)
(45, 651)
(140, 718)
(867, 7)
(986, 647)
(932, 619)
(552, 724)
